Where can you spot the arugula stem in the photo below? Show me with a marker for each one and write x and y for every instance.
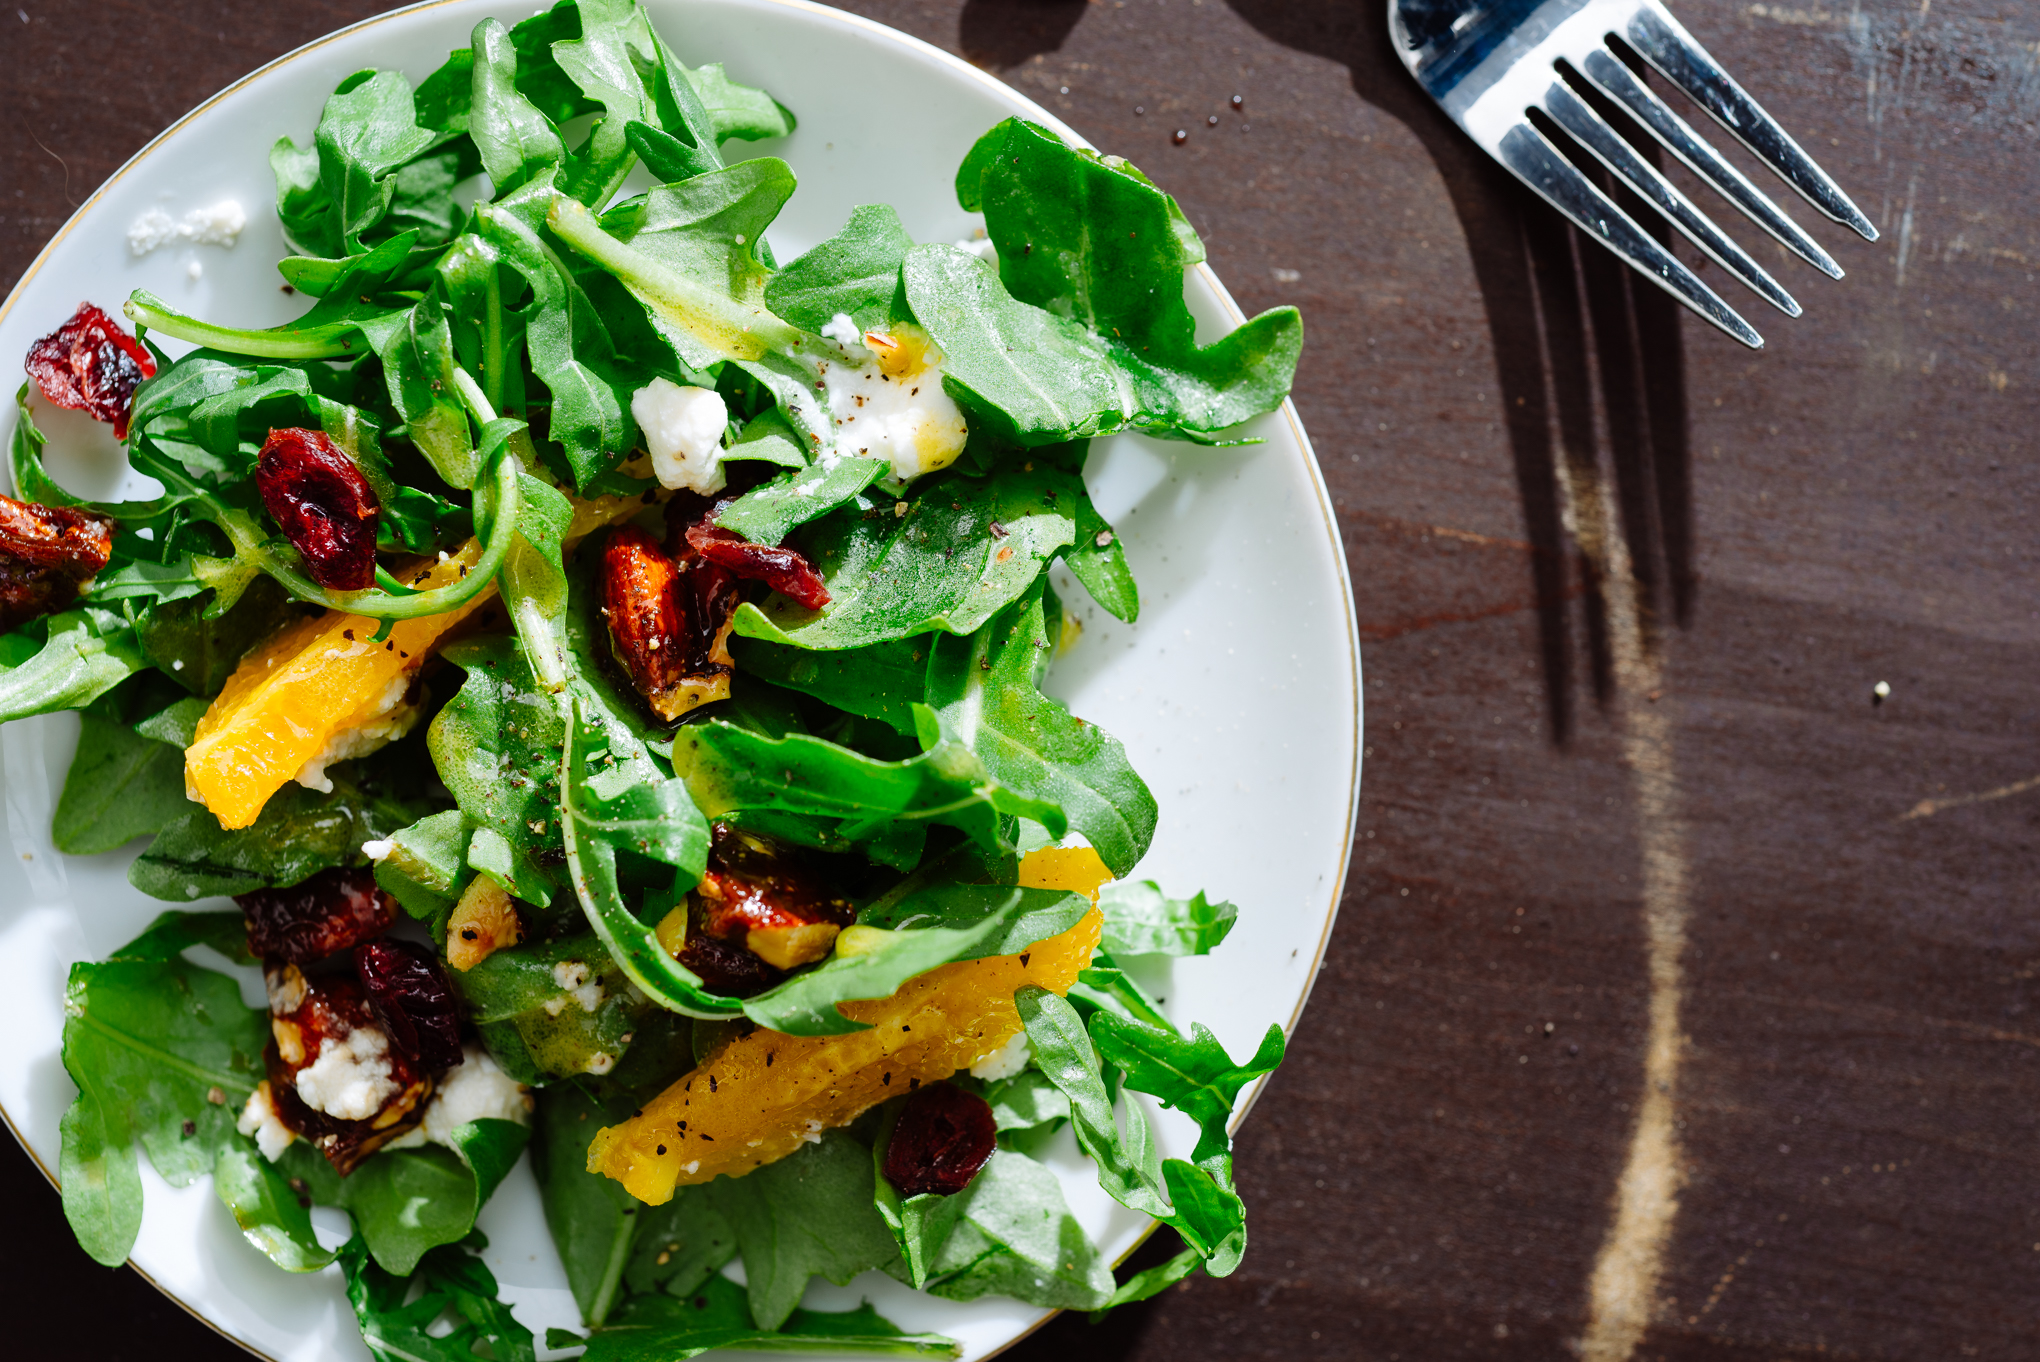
(732, 329)
(495, 356)
(334, 340)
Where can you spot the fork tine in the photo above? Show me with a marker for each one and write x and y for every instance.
(1587, 127)
(1531, 158)
(1666, 45)
(1620, 84)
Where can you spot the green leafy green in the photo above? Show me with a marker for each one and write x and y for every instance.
(982, 691)
(65, 661)
(964, 550)
(426, 867)
(1015, 1236)
(407, 1202)
(267, 1209)
(559, 1031)
(739, 111)
(399, 1314)
(1141, 920)
(1089, 241)
(163, 1052)
(332, 193)
(716, 1316)
(594, 1221)
(1193, 1075)
(937, 926)
(746, 778)
(299, 833)
(496, 745)
(121, 786)
(769, 512)
(854, 273)
(809, 1213)
(881, 681)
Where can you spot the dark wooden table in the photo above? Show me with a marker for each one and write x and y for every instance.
(1681, 1005)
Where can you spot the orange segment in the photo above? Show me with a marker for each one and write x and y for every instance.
(760, 1098)
(320, 677)
(291, 697)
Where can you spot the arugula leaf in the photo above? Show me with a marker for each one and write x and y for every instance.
(65, 661)
(680, 1245)
(398, 1328)
(267, 1209)
(1090, 239)
(426, 867)
(1026, 1101)
(121, 786)
(663, 1329)
(881, 681)
(982, 692)
(920, 1224)
(1193, 1075)
(626, 806)
(1102, 984)
(1151, 1282)
(407, 1202)
(200, 653)
(739, 111)
(1015, 1236)
(965, 549)
(744, 778)
(496, 745)
(767, 513)
(561, 1032)
(516, 140)
(855, 272)
(1141, 920)
(299, 833)
(810, 1212)
(941, 925)
(150, 1039)
(593, 1220)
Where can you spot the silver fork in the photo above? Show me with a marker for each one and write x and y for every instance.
(1490, 63)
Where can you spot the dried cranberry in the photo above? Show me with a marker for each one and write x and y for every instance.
(88, 364)
(324, 506)
(726, 967)
(786, 570)
(943, 1137)
(409, 992)
(332, 911)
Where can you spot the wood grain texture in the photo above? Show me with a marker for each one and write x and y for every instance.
(1432, 1175)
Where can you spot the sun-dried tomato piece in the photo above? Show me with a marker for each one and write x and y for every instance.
(669, 621)
(88, 364)
(410, 994)
(76, 542)
(323, 505)
(335, 1077)
(784, 569)
(943, 1137)
(332, 911)
(753, 894)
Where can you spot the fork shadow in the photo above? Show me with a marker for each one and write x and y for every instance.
(1569, 324)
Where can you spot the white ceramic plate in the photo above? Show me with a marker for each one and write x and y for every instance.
(1237, 695)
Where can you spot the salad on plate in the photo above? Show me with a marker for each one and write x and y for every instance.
(603, 665)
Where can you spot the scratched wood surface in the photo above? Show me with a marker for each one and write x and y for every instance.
(1625, 590)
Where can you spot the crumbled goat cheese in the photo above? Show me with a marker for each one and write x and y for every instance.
(847, 334)
(683, 433)
(376, 727)
(600, 1064)
(351, 1077)
(1004, 1062)
(572, 977)
(219, 225)
(377, 850)
(259, 1119)
(475, 1090)
(195, 270)
(896, 409)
